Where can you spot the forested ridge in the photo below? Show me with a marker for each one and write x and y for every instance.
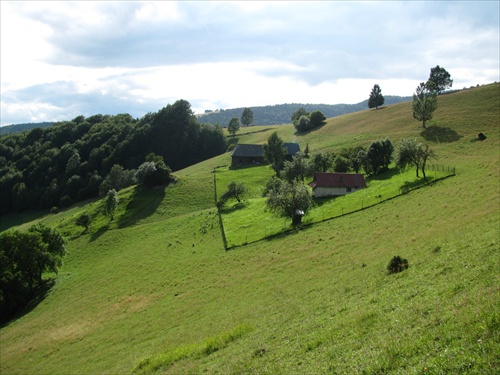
(282, 113)
(67, 162)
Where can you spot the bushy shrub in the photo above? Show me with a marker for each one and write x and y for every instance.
(397, 264)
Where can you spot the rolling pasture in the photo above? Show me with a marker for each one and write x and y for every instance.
(154, 291)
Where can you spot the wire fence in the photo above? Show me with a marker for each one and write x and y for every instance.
(325, 209)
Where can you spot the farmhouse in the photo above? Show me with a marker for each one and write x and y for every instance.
(333, 184)
(254, 154)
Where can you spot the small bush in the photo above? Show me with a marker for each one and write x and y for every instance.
(397, 264)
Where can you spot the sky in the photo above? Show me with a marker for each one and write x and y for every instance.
(62, 59)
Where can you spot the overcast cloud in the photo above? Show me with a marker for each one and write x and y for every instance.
(64, 59)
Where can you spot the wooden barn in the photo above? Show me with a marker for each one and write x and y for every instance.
(254, 154)
(334, 184)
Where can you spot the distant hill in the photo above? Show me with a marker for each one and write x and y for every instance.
(264, 115)
(18, 128)
(282, 113)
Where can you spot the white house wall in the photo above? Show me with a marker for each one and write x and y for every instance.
(331, 191)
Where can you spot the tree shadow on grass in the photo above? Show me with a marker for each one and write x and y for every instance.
(308, 131)
(99, 233)
(143, 203)
(40, 294)
(384, 175)
(439, 134)
(234, 207)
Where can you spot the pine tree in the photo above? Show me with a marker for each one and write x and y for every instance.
(376, 98)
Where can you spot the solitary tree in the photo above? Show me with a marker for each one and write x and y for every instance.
(376, 98)
(247, 117)
(439, 79)
(234, 190)
(424, 103)
(275, 152)
(234, 126)
(291, 199)
(111, 203)
(84, 221)
(426, 154)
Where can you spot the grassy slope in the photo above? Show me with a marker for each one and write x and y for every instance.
(157, 278)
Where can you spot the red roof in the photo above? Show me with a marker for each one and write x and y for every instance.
(348, 180)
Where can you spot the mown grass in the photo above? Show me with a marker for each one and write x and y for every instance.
(319, 299)
(250, 220)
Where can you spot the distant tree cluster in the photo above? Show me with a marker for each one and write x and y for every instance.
(24, 258)
(281, 113)
(304, 121)
(86, 157)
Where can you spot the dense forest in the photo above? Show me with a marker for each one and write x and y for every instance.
(282, 113)
(69, 161)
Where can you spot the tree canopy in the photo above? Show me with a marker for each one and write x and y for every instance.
(24, 257)
(439, 80)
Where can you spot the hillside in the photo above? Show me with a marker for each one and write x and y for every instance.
(156, 282)
(282, 113)
(18, 128)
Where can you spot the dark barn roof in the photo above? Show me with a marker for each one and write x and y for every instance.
(291, 148)
(249, 150)
(242, 150)
(348, 180)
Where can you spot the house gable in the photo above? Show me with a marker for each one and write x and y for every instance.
(332, 184)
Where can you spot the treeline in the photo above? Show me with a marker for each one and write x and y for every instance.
(67, 162)
(281, 113)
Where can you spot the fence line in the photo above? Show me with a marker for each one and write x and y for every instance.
(221, 223)
(364, 204)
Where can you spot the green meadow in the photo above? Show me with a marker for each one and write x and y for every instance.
(154, 291)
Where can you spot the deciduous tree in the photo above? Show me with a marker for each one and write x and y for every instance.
(234, 190)
(412, 152)
(234, 126)
(295, 170)
(247, 117)
(275, 152)
(111, 203)
(290, 199)
(84, 221)
(424, 103)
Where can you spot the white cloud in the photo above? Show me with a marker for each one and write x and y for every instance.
(115, 57)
